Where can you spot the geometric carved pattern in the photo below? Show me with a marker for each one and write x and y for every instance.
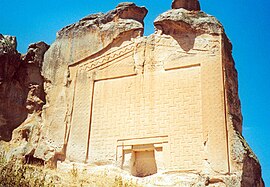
(77, 146)
(163, 103)
(108, 57)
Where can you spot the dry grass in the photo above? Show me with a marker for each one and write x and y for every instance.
(15, 173)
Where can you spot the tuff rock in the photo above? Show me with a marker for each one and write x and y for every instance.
(59, 120)
(177, 21)
(21, 84)
(191, 5)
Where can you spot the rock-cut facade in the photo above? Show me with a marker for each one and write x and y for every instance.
(158, 104)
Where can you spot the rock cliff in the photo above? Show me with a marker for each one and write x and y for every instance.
(45, 94)
(21, 84)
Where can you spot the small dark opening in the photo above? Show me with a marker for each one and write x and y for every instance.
(30, 159)
(25, 134)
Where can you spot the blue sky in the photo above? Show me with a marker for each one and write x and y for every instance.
(246, 22)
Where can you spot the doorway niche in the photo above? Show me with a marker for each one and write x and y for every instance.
(143, 161)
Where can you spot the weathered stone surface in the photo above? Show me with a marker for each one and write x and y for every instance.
(30, 76)
(28, 133)
(12, 96)
(113, 97)
(7, 44)
(231, 75)
(89, 37)
(21, 84)
(10, 58)
(186, 4)
(177, 21)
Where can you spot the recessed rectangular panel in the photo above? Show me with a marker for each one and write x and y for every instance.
(163, 103)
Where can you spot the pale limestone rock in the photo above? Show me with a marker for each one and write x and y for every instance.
(177, 21)
(116, 99)
(89, 37)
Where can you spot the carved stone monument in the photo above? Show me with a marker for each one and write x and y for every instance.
(163, 103)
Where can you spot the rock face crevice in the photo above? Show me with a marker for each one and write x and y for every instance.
(31, 78)
(12, 112)
(66, 102)
(21, 84)
(22, 96)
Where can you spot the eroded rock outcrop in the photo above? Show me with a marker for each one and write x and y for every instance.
(197, 23)
(192, 5)
(12, 96)
(114, 97)
(177, 21)
(21, 88)
(90, 36)
(30, 75)
(26, 136)
(94, 33)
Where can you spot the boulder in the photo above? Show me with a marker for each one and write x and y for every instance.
(181, 21)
